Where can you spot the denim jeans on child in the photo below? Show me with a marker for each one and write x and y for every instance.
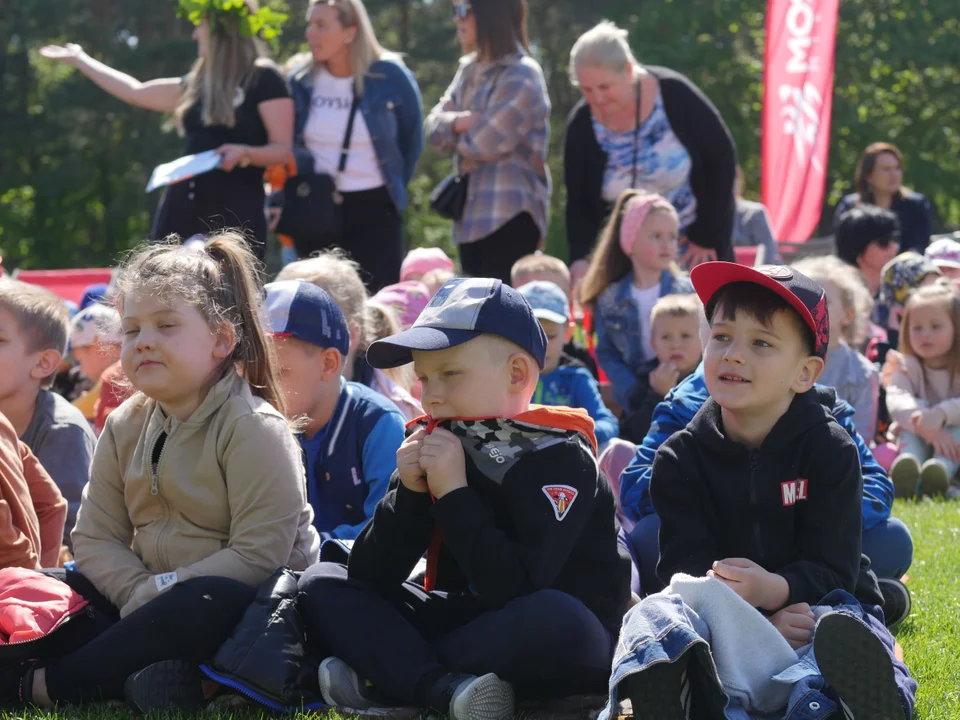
(662, 629)
(923, 451)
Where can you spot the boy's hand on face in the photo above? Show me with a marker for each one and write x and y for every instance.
(664, 378)
(795, 623)
(441, 458)
(408, 462)
(751, 582)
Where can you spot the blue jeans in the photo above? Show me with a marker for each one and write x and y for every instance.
(923, 451)
(662, 628)
(888, 544)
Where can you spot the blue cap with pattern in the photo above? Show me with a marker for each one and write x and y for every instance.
(296, 308)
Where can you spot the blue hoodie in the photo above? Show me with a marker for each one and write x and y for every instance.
(573, 385)
(678, 409)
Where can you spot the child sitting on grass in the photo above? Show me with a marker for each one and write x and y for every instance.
(525, 585)
(675, 337)
(759, 500)
(564, 381)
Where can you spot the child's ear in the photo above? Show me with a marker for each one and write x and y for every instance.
(809, 374)
(226, 341)
(523, 371)
(46, 364)
(331, 364)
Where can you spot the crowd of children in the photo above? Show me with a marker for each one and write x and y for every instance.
(215, 429)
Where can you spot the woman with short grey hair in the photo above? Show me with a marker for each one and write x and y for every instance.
(648, 128)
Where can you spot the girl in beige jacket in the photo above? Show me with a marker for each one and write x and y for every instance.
(923, 395)
(196, 492)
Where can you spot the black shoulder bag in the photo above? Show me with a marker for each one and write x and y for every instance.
(312, 214)
(449, 198)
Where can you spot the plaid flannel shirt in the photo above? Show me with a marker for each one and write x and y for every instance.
(505, 150)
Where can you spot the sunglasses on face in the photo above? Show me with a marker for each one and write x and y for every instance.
(461, 11)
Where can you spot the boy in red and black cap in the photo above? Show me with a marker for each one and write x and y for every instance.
(760, 495)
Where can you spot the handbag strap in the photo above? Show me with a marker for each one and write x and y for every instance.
(345, 149)
(636, 141)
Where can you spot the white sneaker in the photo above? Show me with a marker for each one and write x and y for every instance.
(341, 686)
(482, 698)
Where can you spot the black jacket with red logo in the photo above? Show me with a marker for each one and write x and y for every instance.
(537, 513)
(792, 506)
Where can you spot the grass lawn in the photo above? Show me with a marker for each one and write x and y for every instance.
(930, 637)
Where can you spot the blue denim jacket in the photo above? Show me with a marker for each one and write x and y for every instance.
(619, 348)
(391, 108)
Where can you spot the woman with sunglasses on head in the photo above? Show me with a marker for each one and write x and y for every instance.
(346, 66)
(494, 119)
(879, 180)
(233, 101)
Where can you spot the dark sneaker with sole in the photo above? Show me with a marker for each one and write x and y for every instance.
(16, 684)
(856, 666)
(896, 601)
(342, 687)
(482, 698)
(167, 685)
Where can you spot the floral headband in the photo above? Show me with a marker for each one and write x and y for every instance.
(265, 22)
(634, 216)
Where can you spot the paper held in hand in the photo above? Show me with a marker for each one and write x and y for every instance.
(183, 169)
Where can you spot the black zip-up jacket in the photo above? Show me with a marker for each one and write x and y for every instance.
(792, 506)
(536, 514)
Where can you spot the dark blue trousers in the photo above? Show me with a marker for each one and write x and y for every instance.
(546, 644)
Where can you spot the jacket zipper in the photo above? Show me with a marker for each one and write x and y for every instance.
(754, 468)
(262, 699)
(85, 610)
(155, 490)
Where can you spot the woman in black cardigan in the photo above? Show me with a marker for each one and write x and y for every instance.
(644, 127)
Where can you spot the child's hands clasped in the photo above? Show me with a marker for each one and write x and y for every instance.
(441, 458)
(408, 462)
(795, 623)
(760, 588)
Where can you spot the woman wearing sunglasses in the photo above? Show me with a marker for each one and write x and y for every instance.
(494, 119)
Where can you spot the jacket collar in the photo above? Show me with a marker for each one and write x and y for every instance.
(228, 386)
(335, 426)
(625, 285)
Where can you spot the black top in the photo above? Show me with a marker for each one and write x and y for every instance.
(913, 212)
(265, 83)
(643, 400)
(503, 536)
(792, 506)
(713, 157)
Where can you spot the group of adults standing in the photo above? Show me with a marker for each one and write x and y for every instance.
(636, 126)
(352, 110)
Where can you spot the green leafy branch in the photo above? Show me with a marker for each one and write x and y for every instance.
(266, 22)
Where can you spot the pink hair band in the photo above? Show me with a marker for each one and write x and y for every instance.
(633, 218)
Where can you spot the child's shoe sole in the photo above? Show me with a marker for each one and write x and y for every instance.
(855, 665)
(657, 692)
(167, 685)
(485, 698)
(934, 479)
(905, 475)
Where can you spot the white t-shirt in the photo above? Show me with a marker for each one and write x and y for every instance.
(645, 300)
(324, 131)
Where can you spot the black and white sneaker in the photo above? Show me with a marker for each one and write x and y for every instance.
(482, 698)
(856, 666)
(342, 687)
(167, 685)
(896, 601)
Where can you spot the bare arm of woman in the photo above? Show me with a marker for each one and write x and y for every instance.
(161, 95)
(277, 117)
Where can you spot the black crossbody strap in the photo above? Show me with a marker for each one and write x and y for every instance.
(345, 150)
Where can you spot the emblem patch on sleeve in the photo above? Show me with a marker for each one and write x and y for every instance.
(561, 497)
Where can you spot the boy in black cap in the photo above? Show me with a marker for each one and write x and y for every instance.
(762, 492)
(525, 585)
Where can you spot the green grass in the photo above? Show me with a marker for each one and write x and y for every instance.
(930, 636)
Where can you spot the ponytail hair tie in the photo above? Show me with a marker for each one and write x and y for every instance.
(634, 216)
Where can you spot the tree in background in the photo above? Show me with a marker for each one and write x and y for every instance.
(74, 162)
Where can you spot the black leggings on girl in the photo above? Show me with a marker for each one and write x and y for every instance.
(187, 622)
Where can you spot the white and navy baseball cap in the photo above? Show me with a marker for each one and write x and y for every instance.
(296, 308)
(464, 308)
(95, 322)
(547, 300)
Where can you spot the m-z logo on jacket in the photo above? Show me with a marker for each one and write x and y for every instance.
(793, 490)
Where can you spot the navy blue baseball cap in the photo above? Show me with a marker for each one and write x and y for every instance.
(296, 308)
(464, 308)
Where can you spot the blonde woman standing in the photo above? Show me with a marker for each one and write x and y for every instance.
(348, 76)
(233, 101)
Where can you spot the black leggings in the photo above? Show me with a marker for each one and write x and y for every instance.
(494, 255)
(188, 622)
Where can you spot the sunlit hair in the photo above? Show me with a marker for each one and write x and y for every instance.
(853, 295)
(41, 317)
(382, 322)
(603, 46)
(334, 271)
(223, 282)
(866, 164)
(609, 263)
(226, 65)
(677, 305)
(365, 49)
(501, 27)
(942, 294)
(536, 267)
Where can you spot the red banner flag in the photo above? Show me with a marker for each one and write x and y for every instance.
(797, 102)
